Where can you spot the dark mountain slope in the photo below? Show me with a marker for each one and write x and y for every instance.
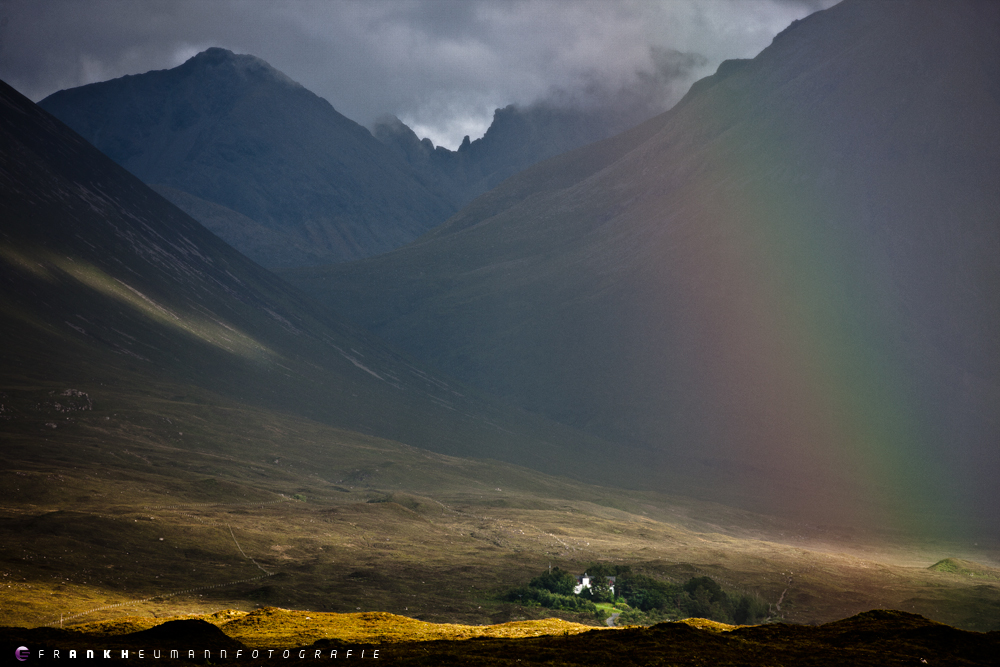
(788, 279)
(233, 131)
(108, 289)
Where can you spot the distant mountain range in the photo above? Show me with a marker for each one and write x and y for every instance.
(786, 285)
(113, 294)
(282, 176)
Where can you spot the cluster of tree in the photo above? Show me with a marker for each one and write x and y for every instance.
(646, 600)
(699, 597)
(554, 590)
(541, 597)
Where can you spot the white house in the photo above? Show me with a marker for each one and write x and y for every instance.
(584, 582)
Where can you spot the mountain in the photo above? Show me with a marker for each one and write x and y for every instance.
(517, 138)
(111, 293)
(277, 173)
(231, 131)
(184, 433)
(784, 289)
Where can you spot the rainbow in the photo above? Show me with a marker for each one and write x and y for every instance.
(795, 333)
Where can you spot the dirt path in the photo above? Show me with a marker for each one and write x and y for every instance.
(777, 605)
(610, 621)
(781, 599)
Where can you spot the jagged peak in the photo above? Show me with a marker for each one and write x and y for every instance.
(243, 64)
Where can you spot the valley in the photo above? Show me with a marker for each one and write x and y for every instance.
(165, 508)
(752, 339)
(780, 293)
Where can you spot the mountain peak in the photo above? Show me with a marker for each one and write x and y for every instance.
(247, 67)
(217, 54)
(230, 130)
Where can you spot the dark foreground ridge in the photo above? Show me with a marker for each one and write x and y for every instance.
(879, 638)
(186, 631)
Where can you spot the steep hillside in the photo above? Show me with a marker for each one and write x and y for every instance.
(233, 131)
(108, 289)
(785, 288)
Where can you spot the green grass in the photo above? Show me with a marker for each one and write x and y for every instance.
(965, 568)
(609, 607)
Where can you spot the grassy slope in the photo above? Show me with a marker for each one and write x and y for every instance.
(381, 527)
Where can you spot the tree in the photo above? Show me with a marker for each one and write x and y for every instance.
(557, 581)
(706, 599)
(750, 609)
(600, 590)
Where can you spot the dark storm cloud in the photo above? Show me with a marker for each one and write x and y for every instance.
(442, 66)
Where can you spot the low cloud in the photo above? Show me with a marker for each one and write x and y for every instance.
(441, 65)
(649, 91)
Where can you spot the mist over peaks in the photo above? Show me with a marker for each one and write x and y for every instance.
(564, 119)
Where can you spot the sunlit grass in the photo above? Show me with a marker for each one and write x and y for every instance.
(276, 627)
(49, 267)
(216, 333)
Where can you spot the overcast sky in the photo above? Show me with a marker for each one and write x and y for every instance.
(442, 66)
